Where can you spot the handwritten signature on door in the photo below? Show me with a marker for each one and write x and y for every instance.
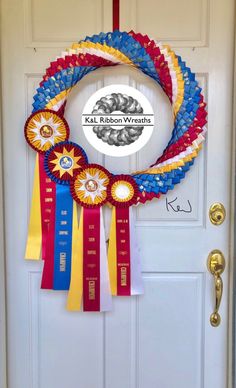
(176, 208)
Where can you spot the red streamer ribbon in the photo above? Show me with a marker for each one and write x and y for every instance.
(48, 269)
(91, 259)
(123, 252)
(47, 202)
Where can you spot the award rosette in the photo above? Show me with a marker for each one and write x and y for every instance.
(63, 161)
(43, 130)
(123, 256)
(89, 188)
(89, 274)
(61, 164)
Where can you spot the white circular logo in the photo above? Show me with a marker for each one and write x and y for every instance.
(118, 120)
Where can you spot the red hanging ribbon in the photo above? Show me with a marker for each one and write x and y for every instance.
(123, 252)
(116, 14)
(91, 259)
(47, 202)
(49, 198)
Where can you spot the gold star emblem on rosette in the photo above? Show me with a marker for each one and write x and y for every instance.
(89, 187)
(44, 129)
(64, 160)
(122, 191)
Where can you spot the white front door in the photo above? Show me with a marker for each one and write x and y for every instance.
(164, 338)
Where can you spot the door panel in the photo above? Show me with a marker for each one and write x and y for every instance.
(181, 24)
(171, 328)
(163, 338)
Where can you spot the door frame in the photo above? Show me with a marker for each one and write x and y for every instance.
(3, 326)
(232, 282)
(232, 272)
(3, 315)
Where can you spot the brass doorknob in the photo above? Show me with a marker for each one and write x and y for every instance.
(217, 213)
(216, 266)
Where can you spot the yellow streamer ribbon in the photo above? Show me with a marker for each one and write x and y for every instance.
(34, 241)
(112, 259)
(76, 282)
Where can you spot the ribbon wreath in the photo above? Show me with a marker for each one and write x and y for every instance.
(75, 257)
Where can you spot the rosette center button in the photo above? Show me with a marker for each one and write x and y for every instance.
(46, 131)
(91, 185)
(66, 162)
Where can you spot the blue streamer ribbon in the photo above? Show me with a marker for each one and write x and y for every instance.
(63, 238)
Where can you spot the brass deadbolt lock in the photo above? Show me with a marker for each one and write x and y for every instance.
(217, 213)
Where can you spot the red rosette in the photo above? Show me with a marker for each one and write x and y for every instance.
(89, 187)
(45, 128)
(63, 161)
(122, 191)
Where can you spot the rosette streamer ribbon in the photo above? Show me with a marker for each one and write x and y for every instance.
(89, 189)
(61, 164)
(123, 255)
(42, 130)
